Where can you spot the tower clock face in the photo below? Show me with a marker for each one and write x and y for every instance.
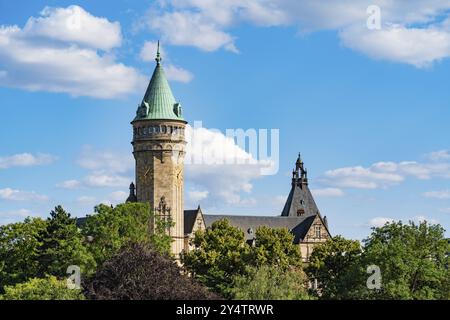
(146, 175)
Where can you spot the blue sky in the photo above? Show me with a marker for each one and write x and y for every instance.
(368, 109)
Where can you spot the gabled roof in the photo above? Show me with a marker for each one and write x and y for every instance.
(190, 216)
(158, 102)
(300, 198)
(299, 226)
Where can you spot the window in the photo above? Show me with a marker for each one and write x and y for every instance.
(300, 212)
(317, 230)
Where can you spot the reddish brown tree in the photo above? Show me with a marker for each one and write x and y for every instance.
(139, 272)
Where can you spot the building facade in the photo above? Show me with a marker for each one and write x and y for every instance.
(159, 148)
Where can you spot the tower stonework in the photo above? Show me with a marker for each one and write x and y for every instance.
(159, 148)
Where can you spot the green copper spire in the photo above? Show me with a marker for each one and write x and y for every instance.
(159, 102)
(158, 55)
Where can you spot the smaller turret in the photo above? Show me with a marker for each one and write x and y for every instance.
(299, 174)
(132, 197)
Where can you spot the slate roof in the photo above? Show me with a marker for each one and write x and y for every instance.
(300, 197)
(189, 220)
(299, 226)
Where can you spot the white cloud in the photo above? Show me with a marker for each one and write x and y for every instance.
(384, 174)
(178, 74)
(328, 192)
(75, 25)
(52, 54)
(215, 163)
(104, 160)
(439, 155)
(360, 178)
(195, 196)
(99, 180)
(26, 160)
(106, 202)
(105, 169)
(379, 221)
(148, 51)
(421, 219)
(174, 73)
(419, 47)
(14, 215)
(191, 29)
(69, 184)
(18, 195)
(443, 194)
(411, 30)
(118, 196)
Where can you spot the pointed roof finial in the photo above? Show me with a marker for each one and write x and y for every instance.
(158, 55)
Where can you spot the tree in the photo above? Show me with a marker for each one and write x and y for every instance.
(220, 253)
(275, 247)
(413, 260)
(42, 289)
(112, 228)
(332, 264)
(19, 248)
(139, 272)
(62, 245)
(270, 283)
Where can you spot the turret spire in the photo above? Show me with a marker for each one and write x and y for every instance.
(158, 102)
(300, 201)
(132, 196)
(158, 55)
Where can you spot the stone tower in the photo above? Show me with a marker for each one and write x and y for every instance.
(159, 148)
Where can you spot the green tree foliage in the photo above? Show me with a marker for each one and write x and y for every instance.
(413, 260)
(19, 249)
(138, 272)
(220, 254)
(275, 247)
(42, 289)
(332, 263)
(109, 229)
(270, 283)
(62, 245)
